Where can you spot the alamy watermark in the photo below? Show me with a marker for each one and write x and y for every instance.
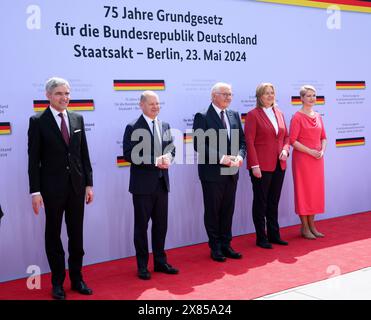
(210, 146)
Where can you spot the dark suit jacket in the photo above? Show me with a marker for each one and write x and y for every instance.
(209, 119)
(51, 163)
(263, 144)
(144, 176)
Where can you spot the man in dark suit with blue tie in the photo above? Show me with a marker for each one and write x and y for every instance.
(61, 178)
(148, 145)
(220, 143)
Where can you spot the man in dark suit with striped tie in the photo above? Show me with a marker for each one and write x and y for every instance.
(148, 145)
(220, 143)
(61, 178)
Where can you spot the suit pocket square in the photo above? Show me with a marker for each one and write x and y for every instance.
(76, 131)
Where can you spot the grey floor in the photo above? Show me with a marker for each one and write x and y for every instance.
(351, 286)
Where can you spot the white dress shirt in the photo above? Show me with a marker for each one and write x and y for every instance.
(270, 114)
(150, 124)
(157, 124)
(59, 120)
(218, 111)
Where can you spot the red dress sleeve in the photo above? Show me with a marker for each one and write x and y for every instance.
(323, 132)
(294, 129)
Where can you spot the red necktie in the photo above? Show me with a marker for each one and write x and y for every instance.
(64, 130)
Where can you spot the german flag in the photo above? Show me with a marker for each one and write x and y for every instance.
(138, 85)
(121, 162)
(295, 100)
(350, 85)
(40, 105)
(320, 100)
(81, 105)
(187, 138)
(74, 105)
(345, 5)
(5, 128)
(243, 117)
(350, 142)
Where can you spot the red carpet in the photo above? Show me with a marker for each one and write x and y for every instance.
(347, 245)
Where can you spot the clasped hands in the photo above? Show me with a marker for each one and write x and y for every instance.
(318, 154)
(232, 161)
(283, 155)
(164, 161)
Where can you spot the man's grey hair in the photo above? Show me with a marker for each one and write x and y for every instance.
(147, 93)
(217, 86)
(55, 82)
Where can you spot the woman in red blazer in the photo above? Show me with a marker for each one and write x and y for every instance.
(267, 143)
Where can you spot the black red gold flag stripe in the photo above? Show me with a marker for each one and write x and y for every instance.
(138, 85)
(121, 162)
(296, 100)
(5, 128)
(346, 5)
(243, 117)
(40, 105)
(187, 138)
(350, 85)
(350, 142)
(74, 105)
(81, 105)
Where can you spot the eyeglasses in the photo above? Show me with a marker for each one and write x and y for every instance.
(225, 95)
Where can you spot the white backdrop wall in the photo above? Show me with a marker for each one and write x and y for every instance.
(290, 46)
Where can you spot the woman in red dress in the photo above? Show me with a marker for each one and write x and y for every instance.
(308, 138)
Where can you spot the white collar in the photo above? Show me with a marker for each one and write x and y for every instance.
(148, 119)
(56, 113)
(218, 110)
(268, 109)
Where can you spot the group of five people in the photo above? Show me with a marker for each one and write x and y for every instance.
(60, 173)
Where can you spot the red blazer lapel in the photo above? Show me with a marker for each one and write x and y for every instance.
(266, 120)
(282, 130)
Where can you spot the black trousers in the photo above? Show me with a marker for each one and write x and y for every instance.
(151, 206)
(219, 201)
(267, 193)
(73, 206)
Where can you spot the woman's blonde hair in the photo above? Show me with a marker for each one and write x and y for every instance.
(305, 88)
(260, 89)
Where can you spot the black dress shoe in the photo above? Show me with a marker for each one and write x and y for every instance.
(217, 255)
(264, 245)
(144, 274)
(165, 268)
(230, 253)
(58, 293)
(81, 288)
(279, 241)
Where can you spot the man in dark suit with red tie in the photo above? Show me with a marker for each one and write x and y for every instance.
(148, 145)
(220, 143)
(60, 177)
